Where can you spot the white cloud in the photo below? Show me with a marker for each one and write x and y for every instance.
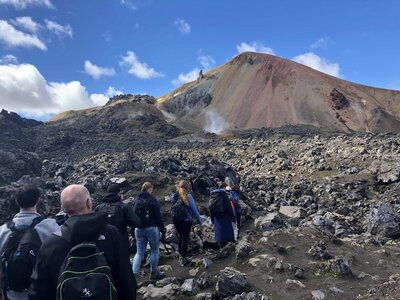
(188, 77)
(318, 63)
(8, 59)
(321, 43)
(96, 72)
(65, 96)
(129, 4)
(112, 91)
(13, 37)
(23, 89)
(26, 23)
(206, 61)
(22, 4)
(183, 26)
(138, 68)
(101, 99)
(59, 30)
(254, 47)
(136, 4)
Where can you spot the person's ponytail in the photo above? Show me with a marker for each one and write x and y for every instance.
(183, 191)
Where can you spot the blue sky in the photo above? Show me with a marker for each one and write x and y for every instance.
(60, 55)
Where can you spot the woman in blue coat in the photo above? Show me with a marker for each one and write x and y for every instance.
(184, 225)
(223, 224)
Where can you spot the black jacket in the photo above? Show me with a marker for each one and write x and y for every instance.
(77, 229)
(129, 217)
(155, 218)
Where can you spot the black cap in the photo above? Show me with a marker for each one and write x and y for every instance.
(113, 188)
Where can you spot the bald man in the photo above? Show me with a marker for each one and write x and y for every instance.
(82, 226)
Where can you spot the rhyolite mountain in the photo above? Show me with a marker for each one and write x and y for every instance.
(256, 90)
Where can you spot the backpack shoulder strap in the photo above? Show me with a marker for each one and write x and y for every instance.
(11, 226)
(36, 221)
(32, 236)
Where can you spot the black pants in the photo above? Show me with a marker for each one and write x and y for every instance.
(183, 229)
(238, 215)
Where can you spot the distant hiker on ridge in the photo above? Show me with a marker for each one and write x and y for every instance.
(201, 76)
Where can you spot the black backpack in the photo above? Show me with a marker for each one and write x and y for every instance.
(217, 204)
(179, 211)
(114, 212)
(85, 274)
(141, 208)
(19, 257)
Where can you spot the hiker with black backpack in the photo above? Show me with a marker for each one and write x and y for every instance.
(146, 207)
(222, 216)
(119, 214)
(182, 211)
(84, 259)
(20, 241)
(235, 204)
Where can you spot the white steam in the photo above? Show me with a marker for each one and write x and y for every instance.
(136, 114)
(215, 123)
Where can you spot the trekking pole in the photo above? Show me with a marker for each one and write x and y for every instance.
(166, 247)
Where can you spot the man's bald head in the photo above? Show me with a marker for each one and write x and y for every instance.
(75, 200)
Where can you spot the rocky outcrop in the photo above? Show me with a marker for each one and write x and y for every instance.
(383, 221)
(13, 118)
(230, 282)
(190, 103)
(15, 164)
(339, 101)
(138, 98)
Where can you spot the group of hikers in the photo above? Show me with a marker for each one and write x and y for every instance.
(84, 252)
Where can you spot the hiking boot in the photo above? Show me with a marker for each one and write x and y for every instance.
(156, 275)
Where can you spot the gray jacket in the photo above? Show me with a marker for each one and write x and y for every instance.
(23, 219)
